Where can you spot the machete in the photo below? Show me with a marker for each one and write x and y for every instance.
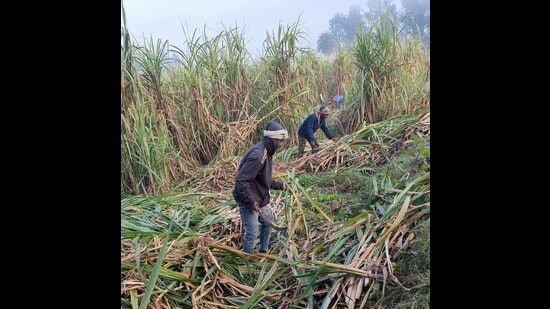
(268, 218)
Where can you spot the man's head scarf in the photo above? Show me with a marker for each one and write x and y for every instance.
(275, 131)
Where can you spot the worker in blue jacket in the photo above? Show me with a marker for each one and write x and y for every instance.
(307, 129)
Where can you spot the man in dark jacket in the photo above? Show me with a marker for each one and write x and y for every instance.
(306, 132)
(252, 184)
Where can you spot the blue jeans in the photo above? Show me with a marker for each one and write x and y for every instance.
(250, 221)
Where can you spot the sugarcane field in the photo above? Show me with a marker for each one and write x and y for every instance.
(297, 178)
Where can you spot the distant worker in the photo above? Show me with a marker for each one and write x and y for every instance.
(307, 129)
(338, 99)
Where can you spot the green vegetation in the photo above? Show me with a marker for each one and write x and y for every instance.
(357, 211)
(355, 227)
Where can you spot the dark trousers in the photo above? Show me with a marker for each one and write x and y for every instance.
(302, 145)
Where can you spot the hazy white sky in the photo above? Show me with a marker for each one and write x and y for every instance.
(164, 19)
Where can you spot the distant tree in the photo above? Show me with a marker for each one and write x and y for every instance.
(356, 22)
(327, 43)
(416, 16)
(375, 8)
(345, 27)
(342, 29)
(337, 25)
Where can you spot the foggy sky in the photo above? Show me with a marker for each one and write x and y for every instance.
(164, 19)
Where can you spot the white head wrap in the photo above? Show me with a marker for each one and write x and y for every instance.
(279, 134)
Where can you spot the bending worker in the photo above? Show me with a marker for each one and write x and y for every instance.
(307, 129)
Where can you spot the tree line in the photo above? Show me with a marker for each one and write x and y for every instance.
(413, 19)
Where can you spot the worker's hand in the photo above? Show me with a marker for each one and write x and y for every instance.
(255, 206)
(314, 146)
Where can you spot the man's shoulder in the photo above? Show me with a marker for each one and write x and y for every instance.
(256, 151)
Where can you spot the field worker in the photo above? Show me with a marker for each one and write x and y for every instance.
(307, 129)
(252, 184)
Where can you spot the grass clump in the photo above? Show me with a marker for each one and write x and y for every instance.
(412, 268)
